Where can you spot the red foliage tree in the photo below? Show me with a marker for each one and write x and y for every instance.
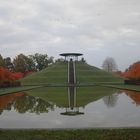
(6, 75)
(133, 72)
(18, 75)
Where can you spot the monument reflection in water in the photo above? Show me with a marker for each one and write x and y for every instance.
(72, 109)
(63, 108)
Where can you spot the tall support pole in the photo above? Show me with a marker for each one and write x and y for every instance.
(74, 96)
(68, 72)
(69, 96)
(74, 72)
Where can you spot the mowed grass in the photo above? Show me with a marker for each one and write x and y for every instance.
(54, 74)
(87, 74)
(79, 134)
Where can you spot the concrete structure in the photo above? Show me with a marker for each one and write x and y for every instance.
(69, 56)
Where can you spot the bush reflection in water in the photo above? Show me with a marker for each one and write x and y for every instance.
(23, 103)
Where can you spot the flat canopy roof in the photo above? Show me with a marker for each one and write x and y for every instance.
(71, 54)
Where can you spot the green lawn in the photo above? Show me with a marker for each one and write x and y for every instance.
(83, 134)
(54, 74)
(87, 74)
(57, 74)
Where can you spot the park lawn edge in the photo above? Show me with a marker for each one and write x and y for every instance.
(124, 87)
(4, 91)
(68, 134)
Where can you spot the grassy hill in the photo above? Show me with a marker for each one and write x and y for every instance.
(57, 74)
(54, 74)
(87, 74)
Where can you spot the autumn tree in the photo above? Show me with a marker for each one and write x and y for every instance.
(109, 64)
(8, 63)
(133, 72)
(2, 64)
(6, 75)
(30, 64)
(41, 60)
(23, 63)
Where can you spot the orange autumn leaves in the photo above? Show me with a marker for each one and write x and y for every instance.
(6, 75)
(133, 72)
(9, 98)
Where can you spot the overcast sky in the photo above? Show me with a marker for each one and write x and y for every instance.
(96, 28)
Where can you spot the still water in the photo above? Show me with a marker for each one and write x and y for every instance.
(85, 107)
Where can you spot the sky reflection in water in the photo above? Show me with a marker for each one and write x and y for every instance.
(22, 110)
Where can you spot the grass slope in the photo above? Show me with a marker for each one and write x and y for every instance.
(57, 74)
(54, 74)
(87, 74)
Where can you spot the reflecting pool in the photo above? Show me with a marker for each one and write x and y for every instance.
(62, 107)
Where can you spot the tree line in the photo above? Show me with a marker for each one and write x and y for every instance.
(23, 63)
(21, 66)
(132, 72)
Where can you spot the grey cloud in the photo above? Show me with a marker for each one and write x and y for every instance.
(97, 28)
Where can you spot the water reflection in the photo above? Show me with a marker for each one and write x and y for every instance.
(6, 101)
(72, 101)
(23, 103)
(70, 98)
(100, 107)
(135, 96)
(72, 109)
(111, 100)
